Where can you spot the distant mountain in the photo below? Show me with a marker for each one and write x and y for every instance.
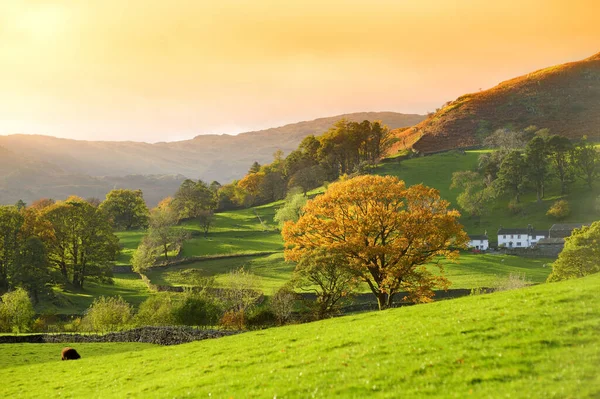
(563, 98)
(33, 166)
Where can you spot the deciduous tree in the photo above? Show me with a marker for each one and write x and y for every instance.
(477, 192)
(560, 149)
(328, 276)
(586, 159)
(536, 158)
(384, 231)
(82, 242)
(512, 173)
(126, 209)
(580, 255)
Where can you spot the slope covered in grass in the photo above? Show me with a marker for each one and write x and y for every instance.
(436, 171)
(538, 342)
(563, 98)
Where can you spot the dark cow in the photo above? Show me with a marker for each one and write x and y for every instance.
(69, 354)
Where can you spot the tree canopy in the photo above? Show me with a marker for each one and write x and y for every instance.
(126, 209)
(580, 255)
(385, 231)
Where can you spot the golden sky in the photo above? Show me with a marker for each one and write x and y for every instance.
(158, 70)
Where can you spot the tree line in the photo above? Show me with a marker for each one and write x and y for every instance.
(525, 162)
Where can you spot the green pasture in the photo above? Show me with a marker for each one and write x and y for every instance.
(436, 171)
(25, 355)
(538, 342)
(472, 270)
(485, 270)
(67, 301)
(272, 271)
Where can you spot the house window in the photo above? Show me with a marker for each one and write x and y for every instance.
(504, 236)
(519, 244)
(512, 236)
(519, 236)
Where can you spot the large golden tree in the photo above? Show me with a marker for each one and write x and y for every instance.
(385, 231)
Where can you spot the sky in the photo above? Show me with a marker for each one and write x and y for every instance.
(155, 70)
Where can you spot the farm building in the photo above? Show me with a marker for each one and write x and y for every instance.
(479, 242)
(520, 237)
(555, 242)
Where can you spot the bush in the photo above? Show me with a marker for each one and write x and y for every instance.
(282, 304)
(559, 210)
(261, 317)
(197, 310)
(45, 323)
(514, 281)
(157, 310)
(16, 311)
(107, 314)
(233, 320)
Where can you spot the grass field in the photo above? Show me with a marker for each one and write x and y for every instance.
(473, 270)
(128, 285)
(436, 171)
(538, 342)
(24, 355)
(272, 271)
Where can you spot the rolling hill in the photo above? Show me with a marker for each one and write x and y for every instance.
(563, 98)
(537, 342)
(41, 166)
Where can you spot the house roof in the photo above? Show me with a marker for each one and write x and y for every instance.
(544, 233)
(551, 241)
(566, 226)
(478, 237)
(503, 231)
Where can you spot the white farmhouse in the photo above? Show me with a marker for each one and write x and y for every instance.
(520, 237)
(479, 242)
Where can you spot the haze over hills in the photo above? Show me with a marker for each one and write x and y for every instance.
(563, 98)
(34, 166)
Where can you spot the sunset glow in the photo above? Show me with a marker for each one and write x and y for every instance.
(160, 71)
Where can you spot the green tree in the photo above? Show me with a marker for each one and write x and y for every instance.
(384, 231)
(511, 176)
(586, 160)
(157, 310)
(197, 310)
(162, 232)
(32, 273)
(16, 311)
(126, 209)
(560, 149)
(10, 226)
(206, 219)
(477, 192)
(192, 198)
(580, 254)
(291, 209)
(145, 255)
(107, 314)
(82, 242)
(536, 158)
(329, 277)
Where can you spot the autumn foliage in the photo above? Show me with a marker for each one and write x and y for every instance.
(385, 231)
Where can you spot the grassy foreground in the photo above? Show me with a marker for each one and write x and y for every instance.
(540, 342)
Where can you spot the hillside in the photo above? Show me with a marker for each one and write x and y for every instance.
(41, 166)
(563, 98)
(537, 342)
(436, 171)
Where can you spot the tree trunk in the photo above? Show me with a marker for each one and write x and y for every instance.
(383, 300)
